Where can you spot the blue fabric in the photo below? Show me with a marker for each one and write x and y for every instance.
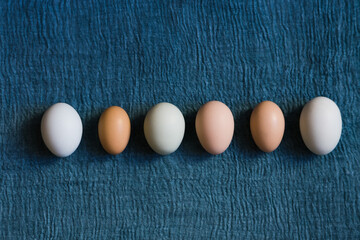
(94, 54)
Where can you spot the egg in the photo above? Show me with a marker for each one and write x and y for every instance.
(267, 126)
(321, 125)
(114, 130)
(61, 129)
(164, 128)
(214, 126)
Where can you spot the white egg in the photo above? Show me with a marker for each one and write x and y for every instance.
(321, 125)
(61, 129)
(164, 128)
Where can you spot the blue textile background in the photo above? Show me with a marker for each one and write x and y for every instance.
(134, 54)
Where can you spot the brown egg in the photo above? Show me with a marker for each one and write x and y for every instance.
(267, 125)
(114, 130)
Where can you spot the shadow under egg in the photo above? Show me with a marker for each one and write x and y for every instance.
(34, 144)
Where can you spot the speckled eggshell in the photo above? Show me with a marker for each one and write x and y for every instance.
(267, 125)
(214, 125)
(114, 130)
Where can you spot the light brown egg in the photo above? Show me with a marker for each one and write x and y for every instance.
(214, 127)
(267, 125)
(114, 130)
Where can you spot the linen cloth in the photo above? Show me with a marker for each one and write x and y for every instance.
(134, 54)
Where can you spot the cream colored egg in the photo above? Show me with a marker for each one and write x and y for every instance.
(164, 128)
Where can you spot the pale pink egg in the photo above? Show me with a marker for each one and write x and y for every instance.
(214, 127)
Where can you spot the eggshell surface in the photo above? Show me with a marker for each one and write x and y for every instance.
(61, 129)
(321, 125)
(114, 130)
(267, 125)
(214, 125)
(164, 128)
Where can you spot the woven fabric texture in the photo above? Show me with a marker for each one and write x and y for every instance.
(134, 54)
